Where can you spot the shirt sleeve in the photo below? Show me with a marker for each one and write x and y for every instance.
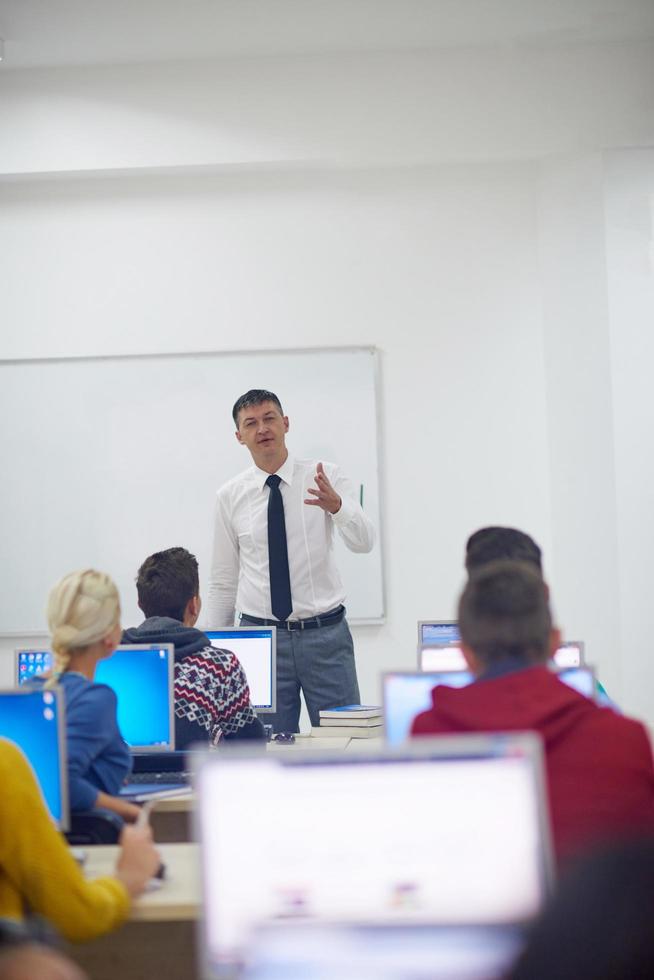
(356, 529)
(39, 866)
(89, 729)
(223, 577)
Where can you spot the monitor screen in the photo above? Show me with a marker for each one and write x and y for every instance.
(142, 677)
(435, 634)
(448, 655)
(34, 720)
(389, 840)
(407, 694)
(256, 649)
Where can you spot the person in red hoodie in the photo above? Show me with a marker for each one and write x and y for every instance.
(600, 770)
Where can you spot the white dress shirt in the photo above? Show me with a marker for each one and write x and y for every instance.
(239, 569)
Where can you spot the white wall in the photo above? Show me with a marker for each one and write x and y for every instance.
(629, 237)
(482, 282)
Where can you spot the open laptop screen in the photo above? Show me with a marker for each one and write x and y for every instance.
(447, 655)
(255, 647)
(406, 694)
(389, 840)
(142, 677)
(34, 720)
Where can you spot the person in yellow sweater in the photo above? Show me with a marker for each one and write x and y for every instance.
(39, 875)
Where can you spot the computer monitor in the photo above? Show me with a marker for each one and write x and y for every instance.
(256, 648)
(142, 675)
(447, 831)
(438, 633)
(406, 694)
(35, 721)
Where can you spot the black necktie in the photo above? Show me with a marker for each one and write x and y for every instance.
(280, 580)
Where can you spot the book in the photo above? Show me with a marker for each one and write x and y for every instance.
(351, 722)
(350, 732)
(353, 711)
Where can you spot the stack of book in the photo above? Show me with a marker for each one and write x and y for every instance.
(351, 721)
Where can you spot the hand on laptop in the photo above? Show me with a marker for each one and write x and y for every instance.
(139, 859)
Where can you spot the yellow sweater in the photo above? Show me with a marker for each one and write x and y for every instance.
(37, 871)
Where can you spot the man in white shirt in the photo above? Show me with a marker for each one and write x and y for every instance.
(273, 561)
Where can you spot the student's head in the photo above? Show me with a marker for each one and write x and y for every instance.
(494, 543)
(504, 615)
(83, 612)
(261, 426)
(168, 584)
(600, 923)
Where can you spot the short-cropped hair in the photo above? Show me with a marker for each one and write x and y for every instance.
(504, 613)
(256, 396)
(494, 543)
(166, 581)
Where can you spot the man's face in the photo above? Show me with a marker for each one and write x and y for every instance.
(262, 428)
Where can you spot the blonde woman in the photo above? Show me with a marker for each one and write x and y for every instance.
(84, 619)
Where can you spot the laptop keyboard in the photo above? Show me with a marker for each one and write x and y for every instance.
(165, 778)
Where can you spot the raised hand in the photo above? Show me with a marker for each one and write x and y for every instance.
(325, 496)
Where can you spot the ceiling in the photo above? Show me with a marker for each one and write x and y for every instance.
(49, 33)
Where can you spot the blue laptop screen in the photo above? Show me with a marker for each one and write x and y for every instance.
(142, 680)
(144, 721)
(406, 695)
(434, 634)
(31, 721)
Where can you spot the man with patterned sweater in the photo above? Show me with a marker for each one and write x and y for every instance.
(212, 697)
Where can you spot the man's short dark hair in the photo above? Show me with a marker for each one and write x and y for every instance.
(256, 396)
(166, 581)
(495, 543)
(504, 613)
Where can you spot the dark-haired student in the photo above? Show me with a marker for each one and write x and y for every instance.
(599, 764)
(212, 696)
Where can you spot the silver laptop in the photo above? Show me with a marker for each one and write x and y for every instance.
(387, 840)
(35, 721)
(448, 655)
(406, 694)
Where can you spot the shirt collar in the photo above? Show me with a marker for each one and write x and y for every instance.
(285, 473)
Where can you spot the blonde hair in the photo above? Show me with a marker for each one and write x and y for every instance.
(83, 608)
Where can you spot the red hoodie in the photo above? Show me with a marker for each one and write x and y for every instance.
(600, 770)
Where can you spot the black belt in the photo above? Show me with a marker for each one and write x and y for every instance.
(327, 619)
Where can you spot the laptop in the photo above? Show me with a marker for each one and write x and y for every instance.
(143, 679)
(436, 654)
(142, 676)
(384, 841)
(256, 648)
(35, 721)
(406, 694)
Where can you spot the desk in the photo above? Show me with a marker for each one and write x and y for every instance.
(159, 938)
(171, 820)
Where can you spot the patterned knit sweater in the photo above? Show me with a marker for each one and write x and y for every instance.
(212, 697)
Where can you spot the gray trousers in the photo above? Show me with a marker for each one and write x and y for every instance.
(321, 663)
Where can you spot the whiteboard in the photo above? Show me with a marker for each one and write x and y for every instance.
(106, 460)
